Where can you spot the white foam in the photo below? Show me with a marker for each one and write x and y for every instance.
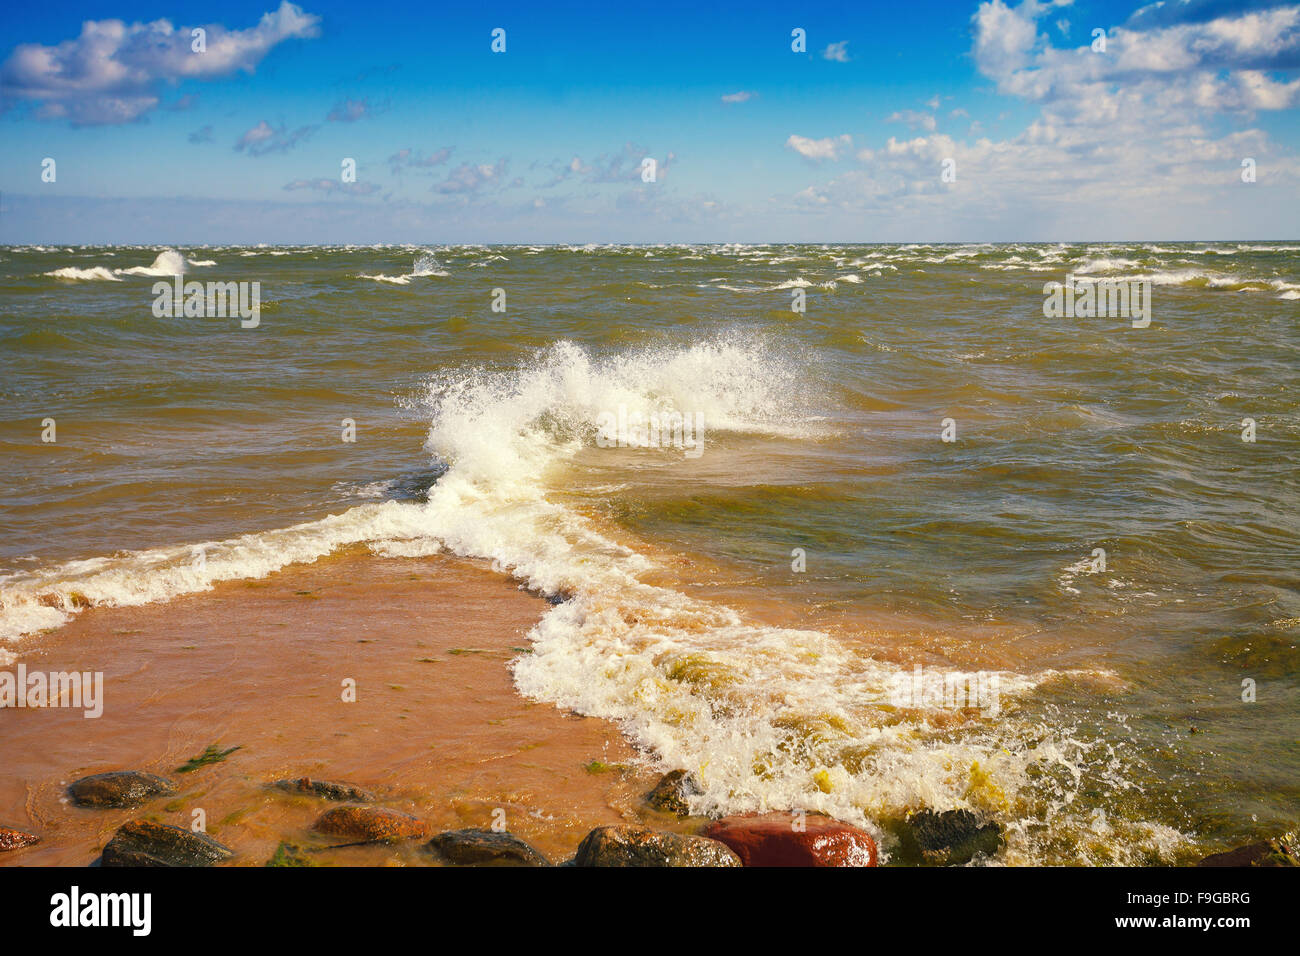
(425, 266)
(169, 262)
(93, 273)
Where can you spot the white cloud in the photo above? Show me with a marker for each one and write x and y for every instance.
(837, 52)
(113, 71)
(265, 138)
(913, 119)
(739, 97)
(819, 149)
(1154, 128)
(470, 178)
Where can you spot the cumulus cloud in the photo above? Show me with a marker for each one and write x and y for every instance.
(913, 119)
(837, 52)
(623, 166)
(471, 178)
(1160, 121)
(265, 138)
(113, 72)
(349, 110)
(1218, 64)
(408, 158)
(819, 149)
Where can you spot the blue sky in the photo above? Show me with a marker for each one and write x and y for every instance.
(753, 141)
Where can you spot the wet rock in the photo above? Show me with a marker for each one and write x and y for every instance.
(950, 838)
(673, 792)
(786, 839)
(641, 846)
(145, 843)
(1280, 851)
(118, 788)
(371, 825)
(326, 789)
(485, 848)
(11, 839)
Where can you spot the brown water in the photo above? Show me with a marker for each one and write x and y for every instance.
(195, 454)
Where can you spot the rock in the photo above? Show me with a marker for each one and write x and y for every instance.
(11, 839)
(118, 788)
(641, 846)
(371, 825)
(485, 848)
(673, 791)
(145, 843)
(785, 839)
(326, 789)
(952, 837)
(1281, 851)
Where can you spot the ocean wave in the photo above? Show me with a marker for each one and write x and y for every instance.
(169, 262)
(426, 266)
(765, 716)
(1196, 278)
(94, 273)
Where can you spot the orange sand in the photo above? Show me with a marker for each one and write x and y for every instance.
(437, 728)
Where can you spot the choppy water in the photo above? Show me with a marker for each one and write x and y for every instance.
(1121, 734)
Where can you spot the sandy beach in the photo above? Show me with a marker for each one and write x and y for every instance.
(436, 730)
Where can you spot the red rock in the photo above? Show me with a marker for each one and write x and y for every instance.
(11, 839)
(371, 825)
(785, 839)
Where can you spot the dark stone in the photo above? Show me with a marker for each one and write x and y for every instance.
(641, 846)
(327, 789)
(11, 839)
(145, 843)
(1281, 851)
(485, 848)
(118, 788)
(371, 825)
(952, 837)
(786, 839)
(673, 791)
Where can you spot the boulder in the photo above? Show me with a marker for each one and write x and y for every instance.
(786, 839)
(118, 788)
(364, 824)
(146, 843)
(326, 789)
(11, 839)
(952, 837)
(673, 792)
(1280, 851)
(485, 848)
(641, 846)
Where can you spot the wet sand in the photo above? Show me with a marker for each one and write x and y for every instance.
(437, 728)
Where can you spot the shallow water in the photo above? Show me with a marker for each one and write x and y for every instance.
(1120, 733)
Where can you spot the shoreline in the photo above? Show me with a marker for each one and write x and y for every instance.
(437, 728)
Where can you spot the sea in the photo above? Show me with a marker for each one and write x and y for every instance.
(855, 529)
